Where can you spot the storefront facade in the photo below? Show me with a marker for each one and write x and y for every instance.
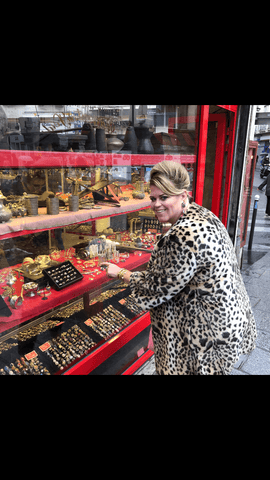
(102, 155)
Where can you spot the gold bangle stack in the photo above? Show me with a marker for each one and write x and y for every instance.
(122, 273)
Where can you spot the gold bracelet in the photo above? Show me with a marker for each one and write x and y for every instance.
(122, 273)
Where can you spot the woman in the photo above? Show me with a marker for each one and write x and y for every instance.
(200, 311)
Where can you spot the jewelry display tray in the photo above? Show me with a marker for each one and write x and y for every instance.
(34, 341)
(62, 275)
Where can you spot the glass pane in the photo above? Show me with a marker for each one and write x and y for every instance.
(173, 128)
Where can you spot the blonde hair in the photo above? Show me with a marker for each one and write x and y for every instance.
(170, 177)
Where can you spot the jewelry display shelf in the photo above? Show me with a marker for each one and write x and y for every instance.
(35, 306)
(25, 225)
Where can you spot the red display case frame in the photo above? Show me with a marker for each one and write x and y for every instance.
(37, 159)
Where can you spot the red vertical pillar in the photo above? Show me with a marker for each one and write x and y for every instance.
(202, 153)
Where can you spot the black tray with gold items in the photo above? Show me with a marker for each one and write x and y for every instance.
(46, 348)
(151, 224)
(57, 344)
(63, 275)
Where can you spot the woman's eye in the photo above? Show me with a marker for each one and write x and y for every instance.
(162, 198)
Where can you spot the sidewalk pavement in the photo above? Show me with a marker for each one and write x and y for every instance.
(257, 281)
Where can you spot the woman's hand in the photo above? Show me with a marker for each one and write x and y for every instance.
(112, 270)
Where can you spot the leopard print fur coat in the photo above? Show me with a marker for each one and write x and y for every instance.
(200, 311)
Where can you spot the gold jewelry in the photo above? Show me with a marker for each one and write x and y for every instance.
(8, 292)
(122, 273)
(15, 301)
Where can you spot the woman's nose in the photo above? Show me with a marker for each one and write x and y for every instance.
(157, 202)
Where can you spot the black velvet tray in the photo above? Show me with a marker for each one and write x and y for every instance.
(62, 275)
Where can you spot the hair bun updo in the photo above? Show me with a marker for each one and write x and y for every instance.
(170, 177)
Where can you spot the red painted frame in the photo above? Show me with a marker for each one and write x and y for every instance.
(202, 153)
(232, 108)
(219, 160)
(35, 159)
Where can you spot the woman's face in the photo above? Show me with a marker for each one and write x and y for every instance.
(167, 209)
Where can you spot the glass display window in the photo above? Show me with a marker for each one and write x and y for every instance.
(74, 191)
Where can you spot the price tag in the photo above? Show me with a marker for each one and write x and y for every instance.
(89, 322)
(31, 355)
(45, 346)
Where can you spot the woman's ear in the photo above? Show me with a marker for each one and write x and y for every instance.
(184, 196)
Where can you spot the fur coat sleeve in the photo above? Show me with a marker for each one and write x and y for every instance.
(166, 275)
(200, 311)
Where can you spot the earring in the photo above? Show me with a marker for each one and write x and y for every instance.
(183, 205)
